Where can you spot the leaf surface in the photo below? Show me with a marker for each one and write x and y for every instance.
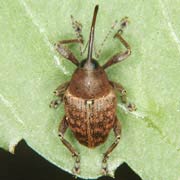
(31, 70)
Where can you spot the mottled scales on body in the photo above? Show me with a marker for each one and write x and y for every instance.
(90, 120)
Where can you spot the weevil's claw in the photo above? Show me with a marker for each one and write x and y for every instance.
(131, 107)
(104, 172)
(76, 171)
(104, 166)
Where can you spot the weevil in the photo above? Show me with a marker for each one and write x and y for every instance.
(89, 97)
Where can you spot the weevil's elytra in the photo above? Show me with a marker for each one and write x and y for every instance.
(89, 97)
(90, 120)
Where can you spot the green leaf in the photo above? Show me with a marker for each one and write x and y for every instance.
(31, 70)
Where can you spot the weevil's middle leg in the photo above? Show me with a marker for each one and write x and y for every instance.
(62, 129)
(59, 92)
(121, 89)
(117, 133)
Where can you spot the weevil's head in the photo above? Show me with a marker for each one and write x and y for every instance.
(93, 65)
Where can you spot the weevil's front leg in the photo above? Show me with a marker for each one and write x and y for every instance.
(61, 89)
(117, 133)
(59, 92)
(65, 51)
(121, 89)
(120, 56)
(62, 129)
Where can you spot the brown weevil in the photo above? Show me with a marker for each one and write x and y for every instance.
(89, 97)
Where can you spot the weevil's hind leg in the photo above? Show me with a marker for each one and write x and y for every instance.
(62, 129)
(121, 89)
(59, 92)
(120, 56)
(117, 133)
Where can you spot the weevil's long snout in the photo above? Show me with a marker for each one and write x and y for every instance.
(89, 63)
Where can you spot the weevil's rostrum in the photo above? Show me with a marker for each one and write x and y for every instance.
(89, 97)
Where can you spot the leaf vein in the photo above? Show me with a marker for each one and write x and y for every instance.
(11, 108)
(170, 26)
(149, 124)
(45, 38)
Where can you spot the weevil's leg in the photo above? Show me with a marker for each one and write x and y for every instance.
(59, 92)
(119, 56)
(62, 129)
(61, 89)
(117, 133)
(121, 89)
(55, 103)
(77, 26)
(65, 51)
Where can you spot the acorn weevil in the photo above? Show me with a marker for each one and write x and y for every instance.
(89, 97)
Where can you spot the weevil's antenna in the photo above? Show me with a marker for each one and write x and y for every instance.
(97, 53)
(91, 39)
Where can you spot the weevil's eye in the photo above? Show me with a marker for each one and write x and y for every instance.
(94, 64)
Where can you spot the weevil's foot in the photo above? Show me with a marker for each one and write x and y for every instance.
(105, 170)
(131, 107)
(104, 166)
(76, 169)
(55, 103)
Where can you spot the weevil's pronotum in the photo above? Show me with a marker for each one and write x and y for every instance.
(89, 97)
